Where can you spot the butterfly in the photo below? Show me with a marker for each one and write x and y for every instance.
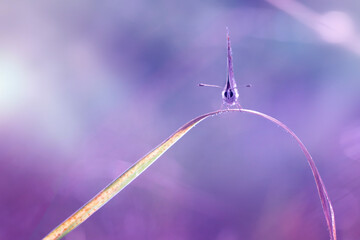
(230, 94)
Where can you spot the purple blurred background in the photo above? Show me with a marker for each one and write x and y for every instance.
(89, 87)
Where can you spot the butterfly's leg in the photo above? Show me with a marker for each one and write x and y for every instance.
(237, 105)
(225, 106)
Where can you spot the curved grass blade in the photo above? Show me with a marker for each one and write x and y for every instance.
(141, 165)
(324, 197)
(121, 182)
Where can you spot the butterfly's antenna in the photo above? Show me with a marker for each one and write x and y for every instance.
(208, 85)
(245, 85)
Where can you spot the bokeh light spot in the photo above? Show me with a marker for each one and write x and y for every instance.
(335, 27)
